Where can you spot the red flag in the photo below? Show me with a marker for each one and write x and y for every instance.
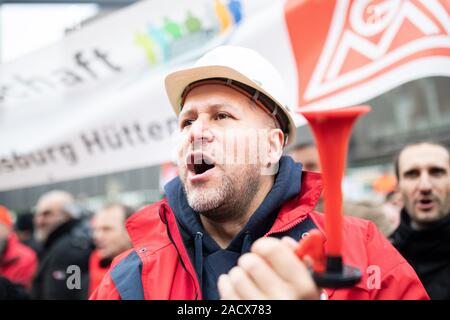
(350, 51)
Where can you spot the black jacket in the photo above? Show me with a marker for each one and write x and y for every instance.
(12, 291)
(64, 264)
(428, 252)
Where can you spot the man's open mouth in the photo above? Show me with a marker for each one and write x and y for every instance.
(425, 203)
(199, 163)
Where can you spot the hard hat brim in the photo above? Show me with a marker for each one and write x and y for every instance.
(177, 81)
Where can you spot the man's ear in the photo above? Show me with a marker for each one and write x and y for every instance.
(66, 216)
(275, 143)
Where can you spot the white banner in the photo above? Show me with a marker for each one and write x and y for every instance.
(95, 102)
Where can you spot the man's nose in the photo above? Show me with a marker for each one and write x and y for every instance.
(199, 132)
(38, 219)
(95, 235)
(425, 184)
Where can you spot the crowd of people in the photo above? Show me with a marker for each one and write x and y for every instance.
(227, 230)
(65, 240)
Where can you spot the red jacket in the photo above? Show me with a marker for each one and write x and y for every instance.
(159, 267)
(18, 263)
(96, 271)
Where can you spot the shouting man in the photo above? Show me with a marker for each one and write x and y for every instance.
(423, 237)
(230, 221)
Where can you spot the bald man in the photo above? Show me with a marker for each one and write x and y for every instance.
(66, 247)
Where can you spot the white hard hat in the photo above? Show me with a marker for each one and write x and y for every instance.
(241, 68)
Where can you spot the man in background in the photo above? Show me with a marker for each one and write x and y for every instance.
(66, 247)
(110, 238)
(423, 237)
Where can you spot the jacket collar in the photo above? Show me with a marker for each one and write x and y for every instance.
(59, 232)
(433, 242)
(297, 209)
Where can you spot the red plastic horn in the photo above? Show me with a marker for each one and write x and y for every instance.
(331, 129)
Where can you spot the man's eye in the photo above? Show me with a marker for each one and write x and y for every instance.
(186, 123)
(222, 116)
(411, 174)
(437, 172)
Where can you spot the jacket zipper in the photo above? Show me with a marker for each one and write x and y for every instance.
(178, 252)
(286, 228)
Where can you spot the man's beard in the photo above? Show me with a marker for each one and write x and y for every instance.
(430, 220)
(231, 199)
(39, 236)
